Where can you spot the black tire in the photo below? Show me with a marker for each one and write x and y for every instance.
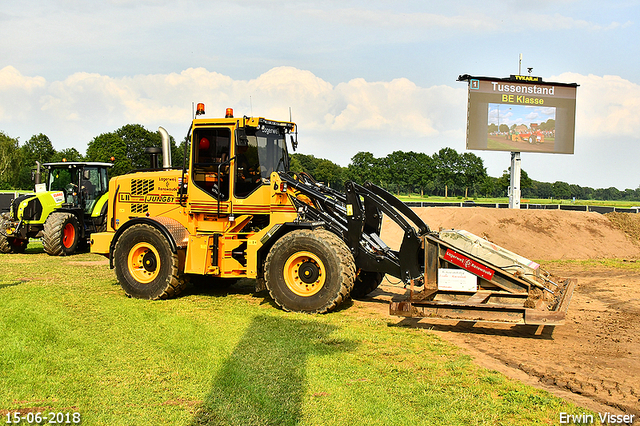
(366, 282)
(145, 265)
(309, 271)
(12, 245)
(61, 234)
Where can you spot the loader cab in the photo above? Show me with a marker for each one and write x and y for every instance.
(235, 157)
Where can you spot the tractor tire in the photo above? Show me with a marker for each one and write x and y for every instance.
(12, 245)
(61, 234)
(145, 265)
(366, 282)
(309, 271)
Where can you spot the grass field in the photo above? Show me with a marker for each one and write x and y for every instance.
(72, 342)
(505, 200)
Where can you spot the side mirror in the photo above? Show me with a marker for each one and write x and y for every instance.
(294, 143)
(241, 137)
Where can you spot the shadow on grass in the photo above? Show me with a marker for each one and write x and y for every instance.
(2, 285)
(262, 382)
(473, 327)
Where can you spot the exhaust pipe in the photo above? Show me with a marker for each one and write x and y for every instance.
(166, 148)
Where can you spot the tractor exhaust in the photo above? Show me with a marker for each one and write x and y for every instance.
(166, 148)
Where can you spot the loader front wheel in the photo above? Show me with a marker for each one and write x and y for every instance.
(145, 265)
(366, 282)
(61, 234)
(309, 271)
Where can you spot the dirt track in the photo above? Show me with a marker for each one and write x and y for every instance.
(593, 359)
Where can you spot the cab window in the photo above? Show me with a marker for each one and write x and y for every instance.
(211, 160)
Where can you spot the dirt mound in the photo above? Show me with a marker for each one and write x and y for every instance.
(534, 234)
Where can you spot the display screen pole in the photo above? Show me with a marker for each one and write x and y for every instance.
(514, 187)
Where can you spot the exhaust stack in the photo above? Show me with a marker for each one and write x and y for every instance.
(166, 148)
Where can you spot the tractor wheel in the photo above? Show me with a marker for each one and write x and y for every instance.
(366, 282)
(309, 271)
(12, 245)
(145, 265)
(61, 234)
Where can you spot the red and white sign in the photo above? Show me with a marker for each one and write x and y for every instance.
(468, 264)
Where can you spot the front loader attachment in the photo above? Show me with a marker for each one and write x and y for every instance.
(468, 278)
(452, 274)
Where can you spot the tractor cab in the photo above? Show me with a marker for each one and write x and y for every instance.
(81, 184)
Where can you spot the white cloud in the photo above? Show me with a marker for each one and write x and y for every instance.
(606, 105)
(335, 122)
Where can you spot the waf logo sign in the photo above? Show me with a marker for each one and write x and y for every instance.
(468, 264)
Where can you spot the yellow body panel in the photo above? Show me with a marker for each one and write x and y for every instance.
(229, 221)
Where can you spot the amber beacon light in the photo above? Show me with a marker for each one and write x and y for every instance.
(229, 113)
(200, 109)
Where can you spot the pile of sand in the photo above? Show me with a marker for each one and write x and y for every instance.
(534, 234)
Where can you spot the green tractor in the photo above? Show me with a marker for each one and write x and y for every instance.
(63, 211)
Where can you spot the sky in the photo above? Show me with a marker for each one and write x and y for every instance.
(376, 75)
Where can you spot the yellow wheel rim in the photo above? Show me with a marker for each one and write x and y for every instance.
(304, 273)
(144, 262)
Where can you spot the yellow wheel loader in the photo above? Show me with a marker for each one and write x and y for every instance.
(236, 211)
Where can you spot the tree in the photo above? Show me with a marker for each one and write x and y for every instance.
(320, 169)
(364, 167)
(67, 154)
(127, 146)
(488, 186)
(422, 169)
(446, 168)
(10, 157)
(108, 145)
(561, 190)
(329, 173)
(473, 171)
(397, 170)
(38, 148)
(504, 182)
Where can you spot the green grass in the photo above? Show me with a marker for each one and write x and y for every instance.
(73, 342)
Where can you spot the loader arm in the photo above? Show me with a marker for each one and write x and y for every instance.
(357, 217)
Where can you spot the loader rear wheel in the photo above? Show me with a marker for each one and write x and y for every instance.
(61, 234)
(366, 282)
(145, 265)
(309, 271)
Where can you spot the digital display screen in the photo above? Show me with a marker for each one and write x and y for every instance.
(520, 116)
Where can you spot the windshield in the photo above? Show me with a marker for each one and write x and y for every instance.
(62, 178)
(271, 147)
(260, 154)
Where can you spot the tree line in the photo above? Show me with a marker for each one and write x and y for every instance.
(444, 173)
